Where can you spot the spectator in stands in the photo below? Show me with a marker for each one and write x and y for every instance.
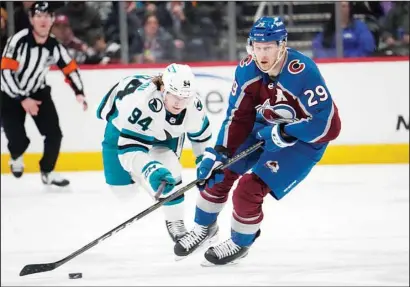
(21, 20)
(358, 41)
(85, 20)
(386, 6)
(158, 44)
(112, 29)
(204, 31)
(369, 8)
(104, 8)
(144, 8)
(373, 12)
(106, 53)
(63, 32)
(3, 29)
(396, 25)
(172, 17)
(99, 53)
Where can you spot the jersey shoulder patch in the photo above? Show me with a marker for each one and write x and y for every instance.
(246, 70)
(296, 66)
(246, 61)
(155, 105)
(198, 104)
(195, 110)
(299, 64)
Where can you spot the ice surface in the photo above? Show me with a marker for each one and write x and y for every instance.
(344, 225)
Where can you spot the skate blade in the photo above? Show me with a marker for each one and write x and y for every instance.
(206, 263)
(57, 189)
(206, 244)
(179, 258)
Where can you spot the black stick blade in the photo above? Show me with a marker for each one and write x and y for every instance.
(37, 268)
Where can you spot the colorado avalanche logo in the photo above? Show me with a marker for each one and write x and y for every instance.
(272, 165)
(295, 67)
(277, 114)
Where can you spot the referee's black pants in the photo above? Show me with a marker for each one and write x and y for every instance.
(13, 117)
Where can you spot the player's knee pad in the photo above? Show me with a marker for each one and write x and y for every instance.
(123, 192)
(248, 197)
(168, 158)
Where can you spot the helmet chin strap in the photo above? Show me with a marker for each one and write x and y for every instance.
(281, 54)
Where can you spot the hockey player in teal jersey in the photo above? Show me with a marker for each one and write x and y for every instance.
(147, 119)
(280, 97)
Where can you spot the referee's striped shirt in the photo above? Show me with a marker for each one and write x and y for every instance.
(25, 63)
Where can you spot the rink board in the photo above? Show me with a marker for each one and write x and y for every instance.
(372, 101)
(361, 154)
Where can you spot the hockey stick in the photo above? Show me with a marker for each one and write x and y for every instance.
(37, 268)
(160, 190)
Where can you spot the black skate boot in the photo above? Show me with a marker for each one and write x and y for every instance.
(17, 166)
(226, 253)
(176, 229)
(195, 238)
(52, 178)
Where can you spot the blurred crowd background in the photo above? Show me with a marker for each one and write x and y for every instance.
(193, 31)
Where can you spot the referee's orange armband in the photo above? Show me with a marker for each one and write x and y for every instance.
(9, 64)
(71, 67)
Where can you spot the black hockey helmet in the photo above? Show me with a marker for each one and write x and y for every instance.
(40, 7)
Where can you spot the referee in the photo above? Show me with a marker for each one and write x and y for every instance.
(25, 63)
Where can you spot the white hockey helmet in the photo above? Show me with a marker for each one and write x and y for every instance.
(179, 80)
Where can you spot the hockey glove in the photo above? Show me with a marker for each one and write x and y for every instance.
(275, 139)
(207, 168)
(155, 173)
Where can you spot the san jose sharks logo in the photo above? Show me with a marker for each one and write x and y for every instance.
(155, 105)
(198, 104)
(280, 113)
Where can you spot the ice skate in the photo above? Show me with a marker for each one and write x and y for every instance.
(176, 229)
(199, 235)
(226, 253)
(52, 178)
(17, 166)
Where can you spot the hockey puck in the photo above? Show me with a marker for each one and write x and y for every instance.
(75, 275)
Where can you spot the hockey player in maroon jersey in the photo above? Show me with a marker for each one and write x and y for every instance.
(280, 97)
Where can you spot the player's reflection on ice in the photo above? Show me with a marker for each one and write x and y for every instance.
(344, 225)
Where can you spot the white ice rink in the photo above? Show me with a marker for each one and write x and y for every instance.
(344, 225)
